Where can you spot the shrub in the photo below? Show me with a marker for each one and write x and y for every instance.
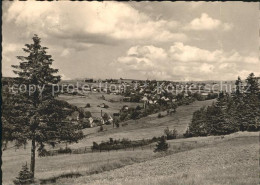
(187, 134)
(159, 115)
(170, 134)
(101, 128)
(124, 124)
(123, 116)
(114, 144)
(105, 117)
(134, 115)
(25, 176)
(154, 139)
(87, 106)
(117, 123)
(95, 146)
(64, 151)
(43, 152)
(138, 107)
(161, 145)
(87, 114)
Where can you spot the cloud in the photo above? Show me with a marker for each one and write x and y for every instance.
(8, 58)
(63, 77)
(91, 22)
(8, 49)
(65, 53)
(186, 53)
(184, 62)
(205, 22)
(195, 4)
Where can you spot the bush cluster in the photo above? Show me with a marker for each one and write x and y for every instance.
(170, 134)
(115, 144)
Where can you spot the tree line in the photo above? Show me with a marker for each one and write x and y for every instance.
(239, 111)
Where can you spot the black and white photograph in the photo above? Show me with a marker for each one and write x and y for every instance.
(130, 93)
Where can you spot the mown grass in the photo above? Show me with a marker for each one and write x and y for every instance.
(230, 161)
(55, 166)
(202, 160)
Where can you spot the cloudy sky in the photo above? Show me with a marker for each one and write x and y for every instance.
(147, 40)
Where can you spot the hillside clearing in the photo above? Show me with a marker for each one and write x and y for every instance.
(145, 128)
(232, 161)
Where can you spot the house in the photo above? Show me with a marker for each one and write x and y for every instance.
(87, 123)
(151, 102)
(125, 108)
(186, 94)
(98, 121)
(91, 122)
(110, 119)
(144, 99)
(73, 117)
(204, 94)
(164, 98)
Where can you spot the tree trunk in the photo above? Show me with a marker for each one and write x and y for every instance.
(32, 167)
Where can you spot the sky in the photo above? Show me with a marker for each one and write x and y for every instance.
(137, 40)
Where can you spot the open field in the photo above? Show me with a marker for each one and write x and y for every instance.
(189, 161)
(232, 160)
(136, 129)
(144, 128)
(94, 99)
(49, 167)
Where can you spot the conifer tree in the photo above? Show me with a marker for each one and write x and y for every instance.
(250, 114)
(238, 84)
(252, 87)
(161, 145)
(25, 176)
(38, 116)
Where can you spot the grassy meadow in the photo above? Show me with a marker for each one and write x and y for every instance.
(232, 160)
(144, 128)
(200, 160)
(94, 99)
(216, 160)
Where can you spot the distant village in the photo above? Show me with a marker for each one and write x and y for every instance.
(154, 96)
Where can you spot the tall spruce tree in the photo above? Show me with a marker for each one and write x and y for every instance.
(239, 85)
(251, 110)
(37, 116)
(252, 87)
